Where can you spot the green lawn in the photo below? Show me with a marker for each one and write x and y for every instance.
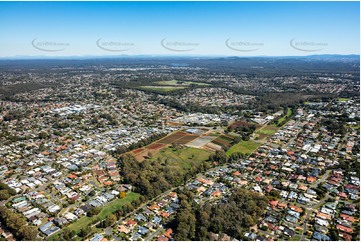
(181, 158)
(245, 147)
(289, 113)
(108, 209)
(268, 130)
(296, 238)
(181, 83)
(162, 88)
(343, 99)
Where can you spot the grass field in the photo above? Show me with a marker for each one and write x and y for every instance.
(289, 113)
(267, 130)
(108, 209)
(296, 238)
(245, 147)
(181, 159)
(355, 126)
(181, 83)
(162, 88)
(343, 99)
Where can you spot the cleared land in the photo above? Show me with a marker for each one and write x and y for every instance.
(181, 83)
(155, 146)
(212, 146)
(182, 158)
(267, 130)
(245, 147)
(237, 124)
(204, 142)
(137, 151)
(223, 140)
(141, 153)
(162, 88)
(179, 137)
(201, 141)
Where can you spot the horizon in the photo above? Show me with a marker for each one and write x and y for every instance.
(244, 29)
(92, 57)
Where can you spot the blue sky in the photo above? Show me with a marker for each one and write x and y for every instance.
(186, 28)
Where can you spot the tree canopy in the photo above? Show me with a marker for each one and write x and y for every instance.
(233, 217)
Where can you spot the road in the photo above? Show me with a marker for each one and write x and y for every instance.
(309, 210)
(150, 237)
(323, 179)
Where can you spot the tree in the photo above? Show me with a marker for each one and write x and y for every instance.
(43, 135)
(122, 194)
(111, 219)
(28, 233)
(334, 234)
(236, 215)
(84, 231)
(237, 139)
(149, 155)
(16, 224)
(275, 194)
(186, 227)
(68, 234)
(119, 213)
(128, 208)
(220, 156)
(176, 145)
(5, 187)
(94, 211)
(151, 178)
(4, 195)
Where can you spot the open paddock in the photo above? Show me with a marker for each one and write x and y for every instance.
(162, 89)
(212, 147)
(179, 137)
(201, 141)
(181, 83)
(156, 146)
(137, 151)
(186, 139)
(237, 124)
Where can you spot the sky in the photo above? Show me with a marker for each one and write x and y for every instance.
(179, 28)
